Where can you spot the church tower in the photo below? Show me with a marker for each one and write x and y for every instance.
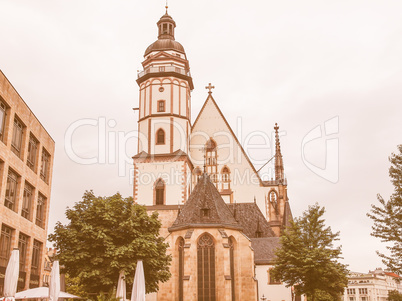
(162, 166)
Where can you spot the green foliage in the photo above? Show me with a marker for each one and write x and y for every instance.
(111, 296)
(388, 217)
(106, 235)
(394, 296)
(308, 260)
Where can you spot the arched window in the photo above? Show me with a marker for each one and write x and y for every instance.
(206, 268)
(225, 178)
(159, 192)
(160, 137)
(181, 268)
(211, 159)
(232, 268)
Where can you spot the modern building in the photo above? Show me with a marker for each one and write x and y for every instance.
(26, 163)
(221, 219)
(371, 286)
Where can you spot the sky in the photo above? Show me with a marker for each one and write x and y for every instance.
(328, 72)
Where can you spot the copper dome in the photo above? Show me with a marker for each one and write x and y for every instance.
(164, 44)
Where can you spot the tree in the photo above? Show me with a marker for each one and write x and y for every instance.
(308, 260)
(109, 234)
(394, 295)
(388, 217)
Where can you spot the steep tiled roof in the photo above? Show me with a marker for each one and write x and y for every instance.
(251, 219)
(264, 249)
(205, 208)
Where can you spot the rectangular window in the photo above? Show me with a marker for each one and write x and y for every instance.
(363, 291)
(16, 142)
(161, 106)
(36, 253)
(3, 114)
(22, 246)
(44, 170)
(11, 191)
(27, 202)
(40, 211)
(351, 291)
(5, 245)
(32, 152)
(161, 69)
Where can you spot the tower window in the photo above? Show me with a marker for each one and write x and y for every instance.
(206, 268)
(181, 268)
(160, 137)
(232, 267)
(159, 192)
(161, 106)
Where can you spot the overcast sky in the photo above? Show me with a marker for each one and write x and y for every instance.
(298, 63)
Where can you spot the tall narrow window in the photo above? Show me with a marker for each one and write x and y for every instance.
(27, 202)
(181, 268)
(32, 151)
(3, 111)
(161, 106)
(5, 245)
(206, 268)
(11, 191)
(44, 170)
(160, 137)
(159, 192)
(211, 159)
(36, 253)
(16, 142)
(22, 246)
(225, 178)
(40, 211)
(232, 269)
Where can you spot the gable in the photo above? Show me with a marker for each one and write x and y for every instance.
(211, 123)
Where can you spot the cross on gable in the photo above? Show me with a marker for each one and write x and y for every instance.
(209, 87)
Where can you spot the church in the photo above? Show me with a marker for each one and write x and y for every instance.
(222, 221)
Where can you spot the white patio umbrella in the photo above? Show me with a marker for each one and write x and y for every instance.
(11, 276)
(138, 293)
(121, 287)
(54, 285)
(41, 293)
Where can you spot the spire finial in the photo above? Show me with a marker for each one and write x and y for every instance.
(279, 174)
(166, 6)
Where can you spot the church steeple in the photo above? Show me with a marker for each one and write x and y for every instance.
(279, 173)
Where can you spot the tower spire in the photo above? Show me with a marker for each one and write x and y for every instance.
(166, 6)
(279, 174)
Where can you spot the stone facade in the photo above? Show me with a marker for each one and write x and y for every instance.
(203, 185)
(26, 163)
